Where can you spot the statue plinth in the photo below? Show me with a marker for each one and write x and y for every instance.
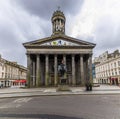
(63, 86)
(63, 81)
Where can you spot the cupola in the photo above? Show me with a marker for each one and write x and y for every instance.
(58, 22)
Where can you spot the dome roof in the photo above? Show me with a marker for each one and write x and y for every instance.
(58, 13)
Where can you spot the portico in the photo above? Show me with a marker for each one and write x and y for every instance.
(43, 68)
(44, 56)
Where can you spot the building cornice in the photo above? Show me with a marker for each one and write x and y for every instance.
(107, 61)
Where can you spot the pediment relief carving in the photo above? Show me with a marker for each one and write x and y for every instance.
(59, 42)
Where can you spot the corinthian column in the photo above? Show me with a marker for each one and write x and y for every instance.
(64, 59)
(73, 70)
(28, 70)
(34, 75)
(82, 70)
(46, 70)
(38, 70)
(55, 70)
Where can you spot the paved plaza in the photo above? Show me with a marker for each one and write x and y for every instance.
(23, 92)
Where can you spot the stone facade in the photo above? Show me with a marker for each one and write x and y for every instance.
(107, 68)
(2, 68)
(44, 56)
(11, 71)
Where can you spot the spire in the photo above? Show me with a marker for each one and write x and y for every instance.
(58, 8)
(58, 22)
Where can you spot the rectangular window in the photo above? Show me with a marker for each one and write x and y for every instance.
(2, 67)
(112, 73)
(2, 74)
(115, 64)
(118, 63)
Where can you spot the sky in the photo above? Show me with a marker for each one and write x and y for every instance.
(95, 21)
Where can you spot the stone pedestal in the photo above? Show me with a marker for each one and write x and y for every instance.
(63, 86)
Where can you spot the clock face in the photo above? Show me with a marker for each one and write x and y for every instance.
(60, 42)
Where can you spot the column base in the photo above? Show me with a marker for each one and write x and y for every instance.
(63, 88)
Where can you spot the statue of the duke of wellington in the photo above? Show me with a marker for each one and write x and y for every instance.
(62, 71)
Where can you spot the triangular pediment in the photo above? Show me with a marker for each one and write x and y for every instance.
(59, 41)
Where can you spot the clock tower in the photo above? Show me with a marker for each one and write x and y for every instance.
(58, 22)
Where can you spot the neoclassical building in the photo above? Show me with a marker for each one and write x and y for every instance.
(44, 56)
(10, 72)
(107, 68)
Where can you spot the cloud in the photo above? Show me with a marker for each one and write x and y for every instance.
(23, 21)
(90, 20)
(99, 22)
(16, 27)
(44, 8)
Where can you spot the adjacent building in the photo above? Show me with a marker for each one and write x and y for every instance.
(107, 68)
(2, 68)
(44, 55)
(10, 72)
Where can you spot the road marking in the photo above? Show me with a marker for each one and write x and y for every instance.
(16, 103)
(21, 100)
(10, 106)
(4, 106)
